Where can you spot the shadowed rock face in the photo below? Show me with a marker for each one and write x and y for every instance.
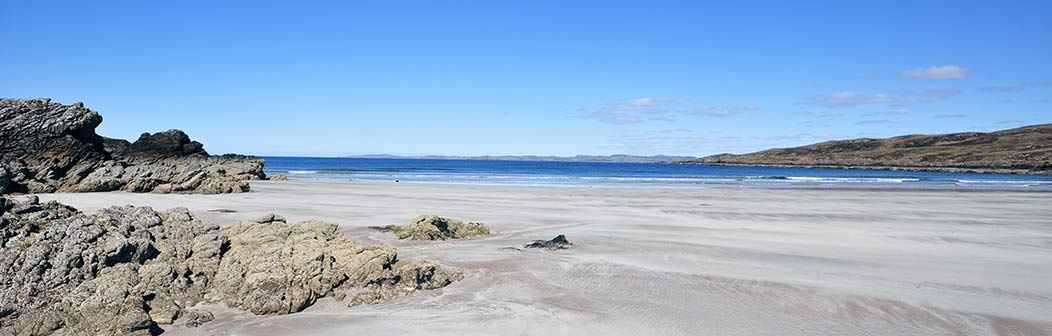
(129, 270)
(50, 147)
(1026, 150)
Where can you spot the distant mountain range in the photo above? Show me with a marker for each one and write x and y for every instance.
(1024, 150)
(576, 158)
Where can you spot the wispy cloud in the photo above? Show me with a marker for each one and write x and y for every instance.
(629, 111)
(945, 72)
(949, 116)
(875, 122)
(672, 141)
(643, 104)
(654, 109)
(716, 111)
(892, 112)
(925, 96)
(847, 98)
(1002, 89)
(850, 98)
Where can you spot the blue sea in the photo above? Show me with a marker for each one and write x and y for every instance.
(634, 175)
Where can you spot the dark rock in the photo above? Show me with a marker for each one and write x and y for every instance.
(49, 147)
(170, 143)
(128, 269)
(557, 243)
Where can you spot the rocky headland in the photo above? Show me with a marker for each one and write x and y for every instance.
(133, 270)
(50, 147)
(1024, 150)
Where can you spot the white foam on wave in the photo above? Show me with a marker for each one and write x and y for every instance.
(303, 172)
(852, 179)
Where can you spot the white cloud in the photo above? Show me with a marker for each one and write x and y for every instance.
(849, 98)
(642, 104)
(716, 111)
(1002, 89)
(945, 72)
(629, 111)
(875, 122)
(654, 109)
(925, 96)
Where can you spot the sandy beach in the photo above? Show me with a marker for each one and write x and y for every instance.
(672, 262)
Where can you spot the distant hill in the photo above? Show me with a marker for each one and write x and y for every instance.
(1024, 150)
(576, 158)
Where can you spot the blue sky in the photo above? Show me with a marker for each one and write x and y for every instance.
(533, 77)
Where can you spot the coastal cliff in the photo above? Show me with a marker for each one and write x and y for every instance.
(49, 147)
(1024, 150)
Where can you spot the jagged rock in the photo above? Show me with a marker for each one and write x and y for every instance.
(49, 147)
(557, 243)
(170, 143)
(127, 269)
(278, 177)
(431, 227)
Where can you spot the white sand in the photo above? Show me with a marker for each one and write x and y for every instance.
(674, 262)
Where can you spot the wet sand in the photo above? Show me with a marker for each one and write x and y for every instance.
(672, 262)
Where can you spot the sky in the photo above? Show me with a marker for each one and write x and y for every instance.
(688, 78)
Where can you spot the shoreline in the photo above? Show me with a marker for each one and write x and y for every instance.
(684, 186)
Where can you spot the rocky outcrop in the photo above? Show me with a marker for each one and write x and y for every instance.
(131, 270)
(1024, 150)
(557, 243)
(50, 147)
(431, 227)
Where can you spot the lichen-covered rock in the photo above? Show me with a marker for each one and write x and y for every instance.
(278, 268)
(431, 227)
(49, 147)
(126, 270)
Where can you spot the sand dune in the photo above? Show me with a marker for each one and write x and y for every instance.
(674, 262)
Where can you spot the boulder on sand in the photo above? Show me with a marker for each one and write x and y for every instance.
(557, 243)
(432, 227)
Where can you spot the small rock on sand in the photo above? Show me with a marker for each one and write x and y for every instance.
(557, 243)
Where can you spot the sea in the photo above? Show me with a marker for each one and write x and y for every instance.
(635, 175)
